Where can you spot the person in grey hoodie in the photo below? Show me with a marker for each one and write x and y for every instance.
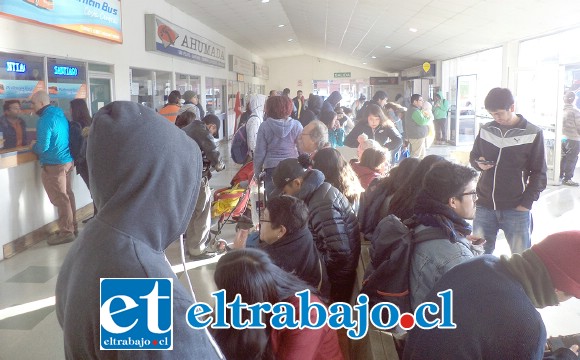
(145, 176)
(331, 102)
(277, 139)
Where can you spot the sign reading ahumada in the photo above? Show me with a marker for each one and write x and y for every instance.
(163, 36)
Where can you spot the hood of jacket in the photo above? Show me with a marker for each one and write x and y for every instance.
(257, 105)
(315, 103)
(142, 166)
(312, 181)
(334, 98)
(440, 93)
(280, 127)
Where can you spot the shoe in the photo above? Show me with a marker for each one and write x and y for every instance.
(202, 256)
(58, 238)
(570, 183)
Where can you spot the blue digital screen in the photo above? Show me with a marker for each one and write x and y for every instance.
(15, 66)
(65, 70)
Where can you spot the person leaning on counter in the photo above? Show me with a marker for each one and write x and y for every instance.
(12, 126)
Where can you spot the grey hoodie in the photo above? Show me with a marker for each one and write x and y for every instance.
(145, 177)
(276, 141)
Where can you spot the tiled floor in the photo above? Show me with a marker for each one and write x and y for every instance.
(28, 325)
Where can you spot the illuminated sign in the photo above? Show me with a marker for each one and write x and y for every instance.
(13, 66)
(65, 70)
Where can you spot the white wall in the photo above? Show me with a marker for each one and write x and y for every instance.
(286, 72)
(24, 205)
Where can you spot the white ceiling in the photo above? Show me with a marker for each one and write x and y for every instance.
(352, 31)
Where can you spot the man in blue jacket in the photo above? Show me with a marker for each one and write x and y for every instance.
(509, 151)
(52, 148)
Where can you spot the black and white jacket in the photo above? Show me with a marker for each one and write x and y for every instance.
(519, 175)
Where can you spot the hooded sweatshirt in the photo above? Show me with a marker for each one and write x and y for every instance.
(255, 120)
(440, 107)
(329, 104)
(145, 177)
(276, 141)
(315, 104)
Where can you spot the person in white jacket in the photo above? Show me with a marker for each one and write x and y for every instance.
(257, 102)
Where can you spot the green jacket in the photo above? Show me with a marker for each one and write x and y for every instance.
(440, 107)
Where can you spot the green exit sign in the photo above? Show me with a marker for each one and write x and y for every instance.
(342, 75)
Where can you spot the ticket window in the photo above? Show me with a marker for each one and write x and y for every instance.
(186, 82)
(150, 88)
(20, 76)
(67, 80)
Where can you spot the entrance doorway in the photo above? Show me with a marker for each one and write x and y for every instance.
(100, 90)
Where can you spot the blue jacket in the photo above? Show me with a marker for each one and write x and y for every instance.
(495, 317)
(52, 141)
(276, 141)
(431, 259)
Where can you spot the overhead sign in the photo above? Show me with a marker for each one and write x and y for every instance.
(418, 72)
(242, 66)
(96, 18)
(261, 71)
(342, 75)
(384, 80)
(165, 37)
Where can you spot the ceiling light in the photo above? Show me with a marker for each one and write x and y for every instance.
(265, 1)
(281, 25)
(290, 40)
(387, 47)
(364, 63)
(412, 30)
(374, 57)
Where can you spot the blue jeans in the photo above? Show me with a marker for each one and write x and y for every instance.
(516, 226)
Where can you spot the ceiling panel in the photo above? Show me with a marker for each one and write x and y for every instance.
(351, 31)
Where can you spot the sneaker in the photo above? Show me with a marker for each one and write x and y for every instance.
(570, 183)
(202, 256)
(58, 238)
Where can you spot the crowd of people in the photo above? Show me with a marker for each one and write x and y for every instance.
(149, 179)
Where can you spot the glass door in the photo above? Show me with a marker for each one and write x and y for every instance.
(100, 91)
(463, 129)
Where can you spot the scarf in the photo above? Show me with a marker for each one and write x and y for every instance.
(431, 212)
(531, 273)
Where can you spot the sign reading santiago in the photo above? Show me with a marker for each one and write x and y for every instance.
(136, 314)
(163, 36)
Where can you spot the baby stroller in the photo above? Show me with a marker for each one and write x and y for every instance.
(230, 205)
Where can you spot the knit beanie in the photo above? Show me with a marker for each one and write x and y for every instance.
(560, 253)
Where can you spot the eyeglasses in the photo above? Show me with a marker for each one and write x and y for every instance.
(472, 193)
(264, 220)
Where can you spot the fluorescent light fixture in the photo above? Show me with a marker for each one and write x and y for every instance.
(281, 25)
(374, 57)
(265, 1)
(290, 40)
(387, 47)
(412, 30)
(364, 63)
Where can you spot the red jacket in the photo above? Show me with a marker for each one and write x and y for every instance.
(364, 174)
(306, 344)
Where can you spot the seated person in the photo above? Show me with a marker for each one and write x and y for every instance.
(284, 231)
(12, 126)
(495, 301)
(374, 164)
(332, 222)
(251, 274)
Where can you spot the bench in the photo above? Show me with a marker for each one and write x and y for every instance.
(377, 344)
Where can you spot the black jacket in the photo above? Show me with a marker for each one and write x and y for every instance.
(205, 140)
(334, 226)
(330, 104)
(519, 175)
(304, 260)
(315, 104)
(384, 135)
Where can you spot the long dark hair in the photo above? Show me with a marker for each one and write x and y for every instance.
(403, 202)
(398, 175)
(338, 172)
(251, 273)
(79, 112)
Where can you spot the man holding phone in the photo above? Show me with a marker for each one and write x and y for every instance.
(510, 153)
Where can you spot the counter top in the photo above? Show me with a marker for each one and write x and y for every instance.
(16, 156)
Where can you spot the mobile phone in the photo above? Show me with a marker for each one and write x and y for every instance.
(486, 162)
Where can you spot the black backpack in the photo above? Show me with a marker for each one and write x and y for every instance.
(75, 140)
(387, 279)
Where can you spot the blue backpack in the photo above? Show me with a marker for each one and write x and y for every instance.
(239, 150)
